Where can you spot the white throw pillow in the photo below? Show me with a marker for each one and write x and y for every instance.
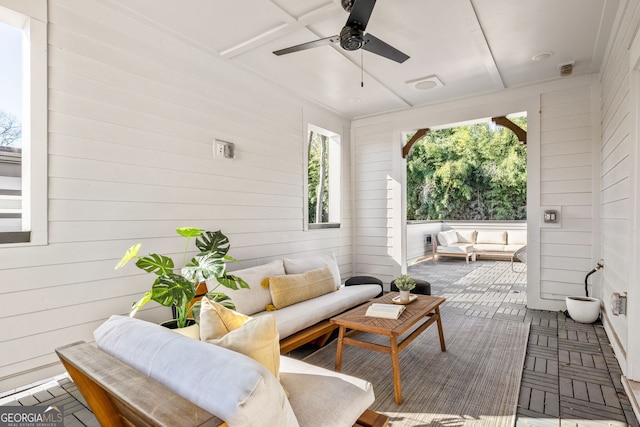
(447, 238)
(256, 298)
(313, 262)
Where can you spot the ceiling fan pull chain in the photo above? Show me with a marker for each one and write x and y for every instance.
(361, 68)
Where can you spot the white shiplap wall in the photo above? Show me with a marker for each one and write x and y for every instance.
(619, 169)
(374, 231)
(560, 142)
(566, 181)
(132, 117)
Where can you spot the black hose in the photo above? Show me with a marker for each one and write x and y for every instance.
(586, 287)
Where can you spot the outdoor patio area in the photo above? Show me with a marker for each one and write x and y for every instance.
(570, 377)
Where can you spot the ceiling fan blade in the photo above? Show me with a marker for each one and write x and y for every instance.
(360, 13)
(308, 45)
(377, 46)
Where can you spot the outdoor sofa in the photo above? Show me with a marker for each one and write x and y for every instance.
(307, 318)
(471, 244)
(144, 374)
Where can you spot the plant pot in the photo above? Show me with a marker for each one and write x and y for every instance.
(583, 309)
(173, 323)
(404, 296)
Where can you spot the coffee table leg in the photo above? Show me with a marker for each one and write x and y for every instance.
(340, 348)
(395, 363)
(440, 331)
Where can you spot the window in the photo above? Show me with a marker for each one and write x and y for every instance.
(23, 122)
(323, 182)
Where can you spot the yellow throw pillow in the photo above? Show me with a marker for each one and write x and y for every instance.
(293, 288)
(255, 337)
(216, 320)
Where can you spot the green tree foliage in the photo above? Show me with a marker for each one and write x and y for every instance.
(318, 188)
(476, 172)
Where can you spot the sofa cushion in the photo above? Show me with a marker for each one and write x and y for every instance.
(466, 236)
(199, 372)
(447, 238)
(314, 262)
(217, 320)
(456, 248)
(294, 288)
(256, 298)
(491, 237)
(480, 248)
(517, 237)
(307, 313)
(254, 337)
(340, 398)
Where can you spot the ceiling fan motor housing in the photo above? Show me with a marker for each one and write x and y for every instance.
(351, 38)
(347, 5)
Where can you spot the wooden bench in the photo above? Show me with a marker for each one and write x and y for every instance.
(120, 396)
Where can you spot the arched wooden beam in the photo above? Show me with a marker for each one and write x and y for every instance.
(504, 122)
(415, 138)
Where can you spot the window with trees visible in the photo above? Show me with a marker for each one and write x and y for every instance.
(323, 182)
(473, 172)
(23, 121)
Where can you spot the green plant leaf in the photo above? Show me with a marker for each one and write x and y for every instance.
(232, 282)
(213, 242)
(138, 304)
(189, 232)
(154, 263)
(172, 289)
(131, 253)
(204, 267)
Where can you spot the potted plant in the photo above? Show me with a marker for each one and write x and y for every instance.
(172, 289)
(405, 284)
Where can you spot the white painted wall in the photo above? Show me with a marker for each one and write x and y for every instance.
(559, 128)
(133, 113)
(620, 185)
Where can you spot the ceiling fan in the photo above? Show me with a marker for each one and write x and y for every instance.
(352, 36)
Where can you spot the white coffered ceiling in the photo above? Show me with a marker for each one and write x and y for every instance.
(472, 46)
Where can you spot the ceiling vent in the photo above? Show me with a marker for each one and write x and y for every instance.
(567, 69)
(426, 83)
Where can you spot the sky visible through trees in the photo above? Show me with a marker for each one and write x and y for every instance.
(472, 172)
(10, 85)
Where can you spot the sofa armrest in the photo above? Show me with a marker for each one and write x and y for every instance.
(116, 392)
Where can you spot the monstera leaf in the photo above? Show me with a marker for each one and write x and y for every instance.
(213, 242)
(154, 263)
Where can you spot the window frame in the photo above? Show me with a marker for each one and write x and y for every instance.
(335, 179)
(31, 17)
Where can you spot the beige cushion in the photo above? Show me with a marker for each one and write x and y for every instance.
(217, 320)
(491, 237)
(447, 238)
(314, 262)
(256, 298)
(486, 247)
(293, 288)
(254, 337)
(517, 237)
(456, 248)
(466, 236)
(192, 331)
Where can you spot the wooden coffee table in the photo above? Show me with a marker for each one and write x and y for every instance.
(423, 307)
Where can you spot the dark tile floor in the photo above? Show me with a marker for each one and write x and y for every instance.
(570, 377)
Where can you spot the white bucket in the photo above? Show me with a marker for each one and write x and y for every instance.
(583, 309)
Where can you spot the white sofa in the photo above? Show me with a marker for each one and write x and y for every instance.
(307, 320)
(228, 385)
(483, 243)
